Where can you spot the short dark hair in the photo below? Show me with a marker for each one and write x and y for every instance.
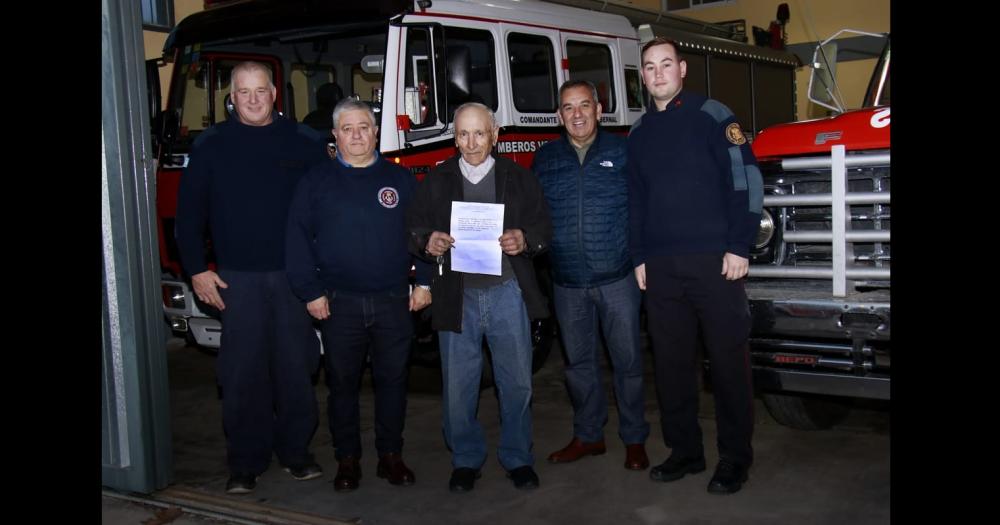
(659, 41)
(570, 84)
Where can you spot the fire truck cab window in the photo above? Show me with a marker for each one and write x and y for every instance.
(588, 61)
(222, 75)
(419, 101)
(633, 88)
(532, 73)
(206, 90)
(471, 68)
(195, 105)
(315, 91)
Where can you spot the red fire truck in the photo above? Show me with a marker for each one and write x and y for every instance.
(820, 275)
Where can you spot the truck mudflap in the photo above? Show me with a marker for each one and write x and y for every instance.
(821, 346)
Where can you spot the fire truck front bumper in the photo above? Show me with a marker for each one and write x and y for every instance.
(801, 342)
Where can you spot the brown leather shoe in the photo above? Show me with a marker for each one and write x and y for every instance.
(576, 450)
(635, 457)
(391, 467)
(348, 474)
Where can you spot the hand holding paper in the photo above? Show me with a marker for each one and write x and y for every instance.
(438, 243)
(512, 241)
(475, 228)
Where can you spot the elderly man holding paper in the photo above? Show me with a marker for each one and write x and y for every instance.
(484, 286)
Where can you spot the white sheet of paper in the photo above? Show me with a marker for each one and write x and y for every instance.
(476, 227)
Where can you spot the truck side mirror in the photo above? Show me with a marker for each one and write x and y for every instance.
(170, 126)
(822, 80)
(153, 100)
(164, 127)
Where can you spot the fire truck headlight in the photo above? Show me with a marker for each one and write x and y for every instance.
(173, 296)
(766, 231)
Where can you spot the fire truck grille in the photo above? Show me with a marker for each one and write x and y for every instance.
(870, 217)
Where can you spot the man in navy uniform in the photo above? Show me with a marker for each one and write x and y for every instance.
(695, 199)
(238, 184)
(348, 261)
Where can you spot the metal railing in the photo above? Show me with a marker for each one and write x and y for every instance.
(839, 235)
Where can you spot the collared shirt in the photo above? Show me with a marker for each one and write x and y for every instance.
(348, 164)
(581, 151)
(474, 174)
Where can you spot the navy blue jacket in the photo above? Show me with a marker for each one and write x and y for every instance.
(694, 185)
(239, 182)
(589, 208)
(347, 230)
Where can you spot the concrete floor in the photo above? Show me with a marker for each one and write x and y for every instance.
(835, 476)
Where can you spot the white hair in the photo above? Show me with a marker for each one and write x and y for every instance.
(467, 105)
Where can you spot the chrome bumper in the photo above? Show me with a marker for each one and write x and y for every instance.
(821, 346)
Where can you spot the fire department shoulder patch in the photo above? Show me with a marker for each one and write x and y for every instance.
(735, 135)
(388, 197)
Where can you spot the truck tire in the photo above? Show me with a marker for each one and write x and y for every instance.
(806, 412)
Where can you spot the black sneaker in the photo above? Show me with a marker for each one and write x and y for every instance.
(304, 472)
(463, 479)
(524, 477)
(241, 483)
(676, 467)
(728, 478)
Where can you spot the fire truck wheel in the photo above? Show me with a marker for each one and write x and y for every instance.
(806, 412)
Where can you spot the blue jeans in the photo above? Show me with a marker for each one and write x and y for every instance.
(380, 325)
(498, 313)
(616, 305)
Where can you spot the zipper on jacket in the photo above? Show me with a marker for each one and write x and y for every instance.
(579, 215)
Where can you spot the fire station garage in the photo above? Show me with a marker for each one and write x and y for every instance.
(808, 84)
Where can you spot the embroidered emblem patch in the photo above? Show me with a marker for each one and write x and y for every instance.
(388, 197)
(607, 164)
(735, 135)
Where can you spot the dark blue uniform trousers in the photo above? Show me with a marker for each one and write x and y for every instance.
(683, 293)
(268, 354)
(378, 324)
